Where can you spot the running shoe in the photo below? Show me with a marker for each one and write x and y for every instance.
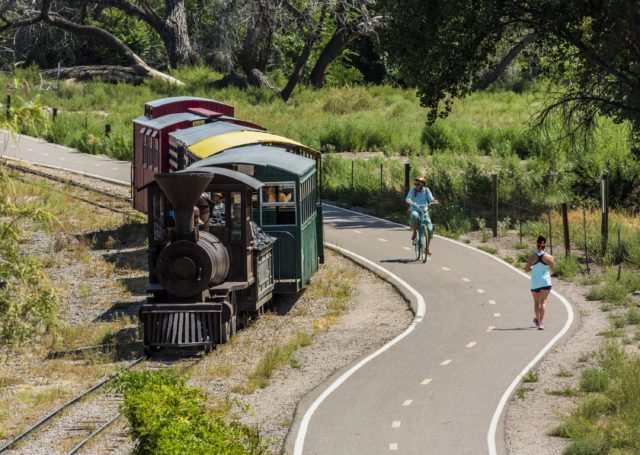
(535, 322)
(541, 326)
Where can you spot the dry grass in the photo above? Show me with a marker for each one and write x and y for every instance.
(31, 383)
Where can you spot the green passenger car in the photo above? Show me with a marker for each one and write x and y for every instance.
(287, 207)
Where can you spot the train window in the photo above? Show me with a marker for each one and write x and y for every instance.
(279, 204)
(236, 216)
(279, 193)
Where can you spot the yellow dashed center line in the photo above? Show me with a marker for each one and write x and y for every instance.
(446, 362)
(472, 344)
(446, 269)
(496, 315)
(490, 328)
(393, 446)
(383, 240)
(492, 302)
(395, 424)
(426, 381)
(406, 248)
(357, 231)
(29, 150)
(407, 402)
(466, 280)
(480, 291)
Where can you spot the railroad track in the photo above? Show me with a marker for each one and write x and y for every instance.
(119, 204)
(92, 414)
(47, 419)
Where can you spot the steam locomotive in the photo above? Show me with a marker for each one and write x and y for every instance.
(234, 217)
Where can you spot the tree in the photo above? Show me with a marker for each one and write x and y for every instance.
(353, 20)
(310, 30)
(25, 17)
(172, 27)
(591, 49)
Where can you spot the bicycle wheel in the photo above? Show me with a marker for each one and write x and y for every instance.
(418, 246)
(425, 241)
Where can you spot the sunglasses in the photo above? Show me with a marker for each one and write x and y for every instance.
(418, 182)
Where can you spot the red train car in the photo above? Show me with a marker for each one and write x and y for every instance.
(151, 135)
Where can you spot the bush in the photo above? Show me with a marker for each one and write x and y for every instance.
(567, 267)
(168, 418)
(594, 380)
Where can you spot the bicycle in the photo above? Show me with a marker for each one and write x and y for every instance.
(422, 241)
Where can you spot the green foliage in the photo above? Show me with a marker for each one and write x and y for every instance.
(167, 417)
(531, 376)
(614, 291)
(28, 302)
(275, 358)
(567, 267)
(446, 49)
(606, 421)
(594, 380)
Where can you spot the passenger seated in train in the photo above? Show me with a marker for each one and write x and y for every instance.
(217, 210)
(203, 205)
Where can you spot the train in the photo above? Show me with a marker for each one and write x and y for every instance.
(233, 218)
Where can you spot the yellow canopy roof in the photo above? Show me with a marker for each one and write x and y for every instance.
(220, 142)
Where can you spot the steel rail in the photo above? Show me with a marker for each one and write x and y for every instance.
(13, 165)
(48, 417)
(111, 421)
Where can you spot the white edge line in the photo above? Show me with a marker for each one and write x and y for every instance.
(304, 425)
(491, 435)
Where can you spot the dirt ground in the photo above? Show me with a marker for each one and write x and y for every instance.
(532, 413)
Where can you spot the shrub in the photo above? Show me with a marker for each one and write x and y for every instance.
(567, 267)
(594, 380)
(168, 418)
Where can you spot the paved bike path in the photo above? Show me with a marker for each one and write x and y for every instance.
(436, 390)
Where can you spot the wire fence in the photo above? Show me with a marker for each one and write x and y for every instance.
(578, 226)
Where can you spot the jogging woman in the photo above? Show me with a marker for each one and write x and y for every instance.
(541, 266)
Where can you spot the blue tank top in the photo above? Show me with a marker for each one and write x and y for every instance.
(540, 273)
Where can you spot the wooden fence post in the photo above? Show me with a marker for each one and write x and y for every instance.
(604, 197)
(494, 204)
(381, 176)
(8, 107)
(565, 226)
(550, 234)
(520, 213)
(107, 129)
(352, 165)
(619, 256)
(586, 246)
(407, 175)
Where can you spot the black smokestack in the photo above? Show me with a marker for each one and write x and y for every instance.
(183, 190)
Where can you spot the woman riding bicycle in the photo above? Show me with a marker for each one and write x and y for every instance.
(419, 195)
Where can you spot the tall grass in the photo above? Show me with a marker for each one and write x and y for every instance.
(606, 419)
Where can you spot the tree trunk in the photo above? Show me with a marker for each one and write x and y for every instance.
(497, 71)
(175, 35)
(298, 70)
(105, 73)
(336, 45)
(259, 38)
